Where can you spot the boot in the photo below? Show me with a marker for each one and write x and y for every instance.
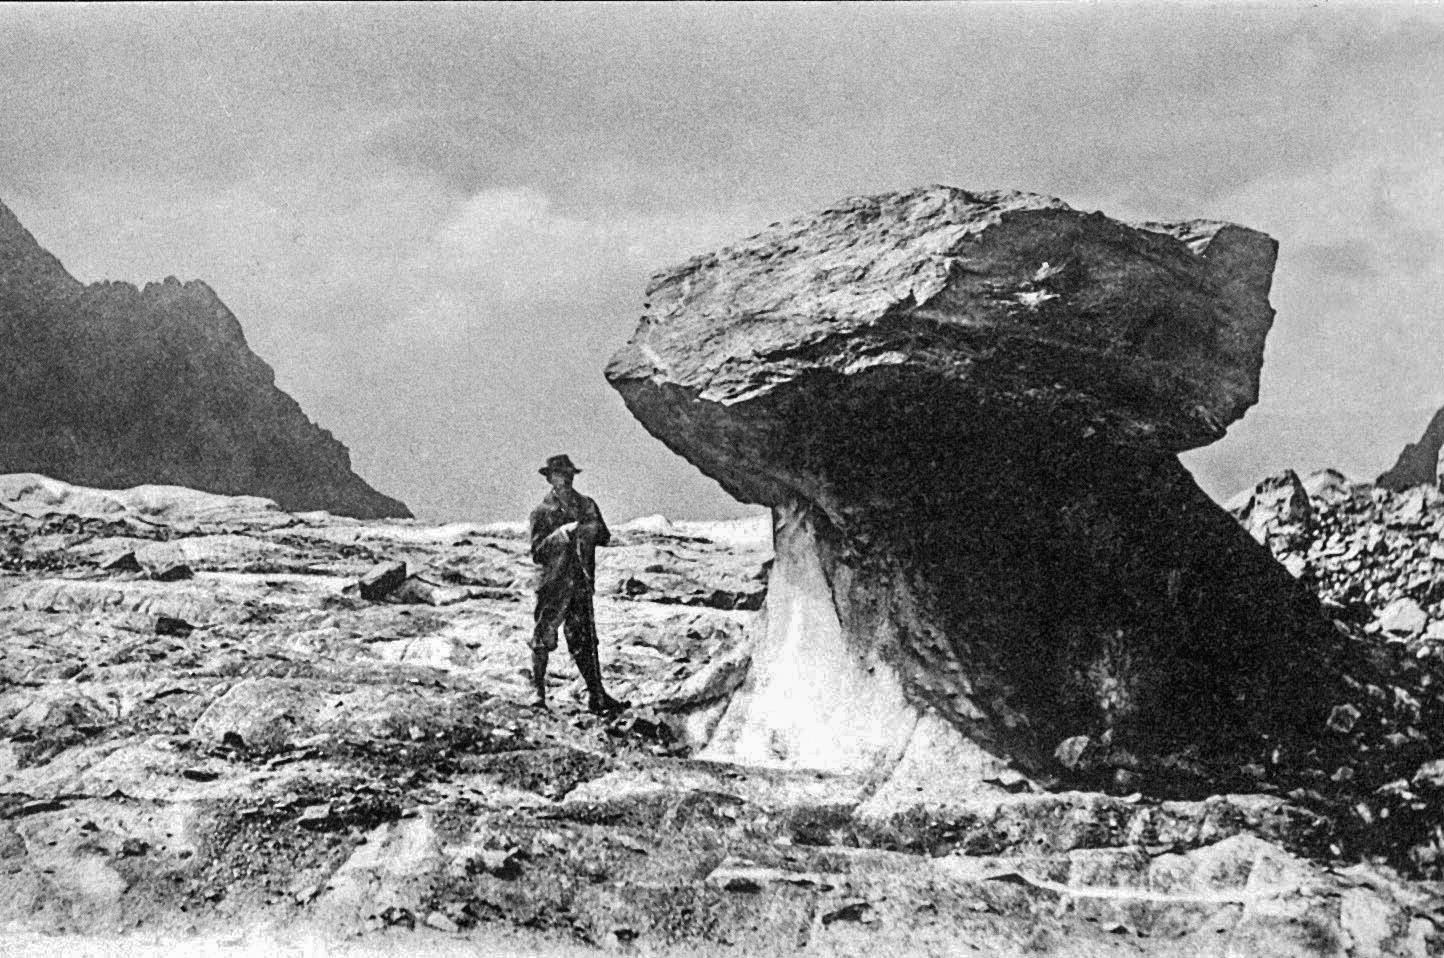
(598, 701)
(539, 679)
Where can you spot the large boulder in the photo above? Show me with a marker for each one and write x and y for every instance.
(964, 409)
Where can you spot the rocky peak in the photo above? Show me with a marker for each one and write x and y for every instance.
(25, 267)
(111, 385)
(1418, 463)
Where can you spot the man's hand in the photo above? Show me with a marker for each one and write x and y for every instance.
(561, 535)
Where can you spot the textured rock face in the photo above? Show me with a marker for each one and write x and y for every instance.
(1419, 462)
(975, 401)
(112, 386)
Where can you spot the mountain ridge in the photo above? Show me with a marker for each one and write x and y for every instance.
(111, 384)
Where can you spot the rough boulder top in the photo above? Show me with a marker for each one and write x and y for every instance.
(1153, 332)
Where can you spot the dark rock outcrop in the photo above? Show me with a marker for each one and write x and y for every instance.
(112, 386)
(1418, 463)
(963, 409)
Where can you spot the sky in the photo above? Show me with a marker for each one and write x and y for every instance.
(436, 222)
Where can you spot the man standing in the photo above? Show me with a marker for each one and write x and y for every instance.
(565, 531)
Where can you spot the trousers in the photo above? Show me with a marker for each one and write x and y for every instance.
(564, 599)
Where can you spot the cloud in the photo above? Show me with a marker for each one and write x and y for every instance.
(507, 250)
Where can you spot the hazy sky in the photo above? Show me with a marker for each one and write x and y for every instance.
(436, 222)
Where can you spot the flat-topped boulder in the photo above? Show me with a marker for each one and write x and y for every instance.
(964, 409)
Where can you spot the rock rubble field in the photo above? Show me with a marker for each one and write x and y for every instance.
(254, 754)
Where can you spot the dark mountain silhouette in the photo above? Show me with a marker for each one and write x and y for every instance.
(110, 385)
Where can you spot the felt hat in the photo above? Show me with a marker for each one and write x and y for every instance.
(558, 464)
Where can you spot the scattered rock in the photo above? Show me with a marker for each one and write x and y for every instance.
(1431, 774)
(1069, 752)
(1277, 505)
(315, 816)
(501, 862)
(167, 625)
(381, 580)
(171, 572)
(122, 562)
(858, 911)
(418, 591)
(1403, 617)
(1343, 717)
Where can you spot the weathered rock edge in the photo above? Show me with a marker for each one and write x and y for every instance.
(974, 399)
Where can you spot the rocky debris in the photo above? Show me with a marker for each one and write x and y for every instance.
(1372, 553)
(112, 386)
(381, 580)
(1374, 556)
(963, 410)
(1277, 506)
(308, 765)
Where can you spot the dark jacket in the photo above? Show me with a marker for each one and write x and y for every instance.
(555, 511)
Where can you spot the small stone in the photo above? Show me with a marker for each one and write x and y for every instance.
(440, 922)
(381, 580)
(172, 572)
(1010, 780)
(122, 562)
(629, 843)
(745, 884)
(858, 911)
(1342, 718)
(497, 861)
(1431, 774)
(1069, 752)
(1403, 617)
(178, 628)
(418, 591)
(315, 816)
